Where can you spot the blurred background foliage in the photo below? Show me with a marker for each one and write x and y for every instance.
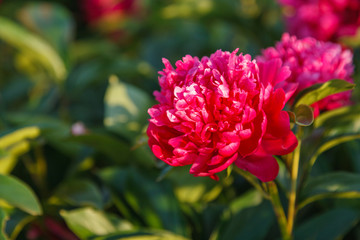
(74, 94)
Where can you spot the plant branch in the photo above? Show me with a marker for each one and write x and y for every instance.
(253, 181)
(279, 210)
(293, 189)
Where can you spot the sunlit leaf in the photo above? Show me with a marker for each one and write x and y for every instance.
(14, 137)
(34, 46)
(8, 159)
(14, 144)
(87, 222)
(18, 194)
(125, 108)
(319, 91)
(52, 21)
(331, 185)
(333, 224)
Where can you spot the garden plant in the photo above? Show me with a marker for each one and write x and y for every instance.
(176, 120)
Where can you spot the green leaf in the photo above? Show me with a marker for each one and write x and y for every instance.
(16, 222)
(329, 117)
(18, 194)
(331, 129)
(344, 120)
(352, 41)
(283, 178)
(52, 21)
(142, 152)
(319, 91)
(303, 115)
(141, 235)
(89, 48)
(152, 202)
(80, 192)
(248, 199)
(52, 129)
(19, 135)
(3, 218)
(13, 145)
(115, 179)
(244, 224)
(34, 46)
(192, 189)
(87, 222)
(155, 202)
(116, 150)
(331, 185)
(125, 108)
(327, 144)
(333, 224)
(164, 172)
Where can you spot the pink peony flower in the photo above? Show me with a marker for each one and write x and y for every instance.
(220, 110)
(95, 10)
(49, 229)
(312, 62)
(326, 20)
(109, 16)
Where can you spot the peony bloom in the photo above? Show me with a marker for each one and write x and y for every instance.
(326, 20)
(312, 62)
(220, 110)
(109, 16)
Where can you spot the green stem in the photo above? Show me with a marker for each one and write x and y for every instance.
(279, 210)
(253, 181)
(293, 189)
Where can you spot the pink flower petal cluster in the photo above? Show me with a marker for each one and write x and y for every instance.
(326, 20)
(96, 10)
(220, 110)
(109, 17)
(311, 62)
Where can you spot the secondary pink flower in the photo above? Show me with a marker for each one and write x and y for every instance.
(312, 62)
(220, 110)
(109, 16)
(98, 9)
(326, 20)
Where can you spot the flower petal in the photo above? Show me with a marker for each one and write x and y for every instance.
(264, 167)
